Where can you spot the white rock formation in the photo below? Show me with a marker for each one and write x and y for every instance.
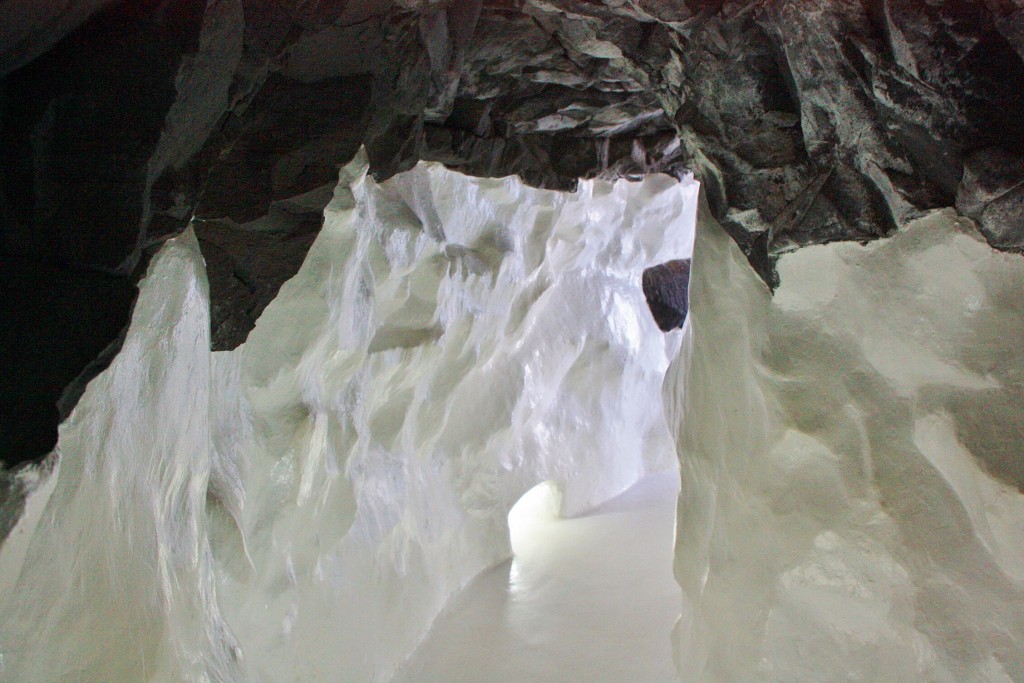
(851, 453)
(116, 576)
(301, 508)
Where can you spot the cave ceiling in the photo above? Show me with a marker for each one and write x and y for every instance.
(806, 122)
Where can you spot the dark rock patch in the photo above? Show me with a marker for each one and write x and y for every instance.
(246, 268)
(56, 322)
(666, 287)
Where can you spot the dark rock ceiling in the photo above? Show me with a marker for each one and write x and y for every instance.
(807, 122)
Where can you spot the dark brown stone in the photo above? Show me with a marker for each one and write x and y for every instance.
(666, 287)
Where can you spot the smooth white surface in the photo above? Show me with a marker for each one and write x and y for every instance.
(852, 452)
(303, 507)
(585, 599)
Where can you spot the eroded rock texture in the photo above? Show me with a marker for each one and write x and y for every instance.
(806, 122)
(302, 507)
(666, 287)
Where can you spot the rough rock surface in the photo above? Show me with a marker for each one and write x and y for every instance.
(666, 287)
(806, 123)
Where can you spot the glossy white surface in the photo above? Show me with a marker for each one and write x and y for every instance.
(303, 507)
(586, 599)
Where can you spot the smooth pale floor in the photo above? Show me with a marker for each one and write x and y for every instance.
(589, 600)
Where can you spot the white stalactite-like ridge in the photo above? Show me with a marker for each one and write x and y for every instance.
(302, 507)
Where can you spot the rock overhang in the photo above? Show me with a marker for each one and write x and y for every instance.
(805, 127)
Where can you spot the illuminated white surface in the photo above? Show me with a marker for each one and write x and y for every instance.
(585, 599)
(839, 516)
(303, 507)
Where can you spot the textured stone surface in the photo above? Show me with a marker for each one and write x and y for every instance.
(246, 269)
(301, 508)
(30, 28)
(850, 451)
(806, 123)
(666, 287)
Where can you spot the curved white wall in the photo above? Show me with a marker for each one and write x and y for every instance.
(851, 461)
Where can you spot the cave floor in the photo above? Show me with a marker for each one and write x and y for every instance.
(585, 599)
